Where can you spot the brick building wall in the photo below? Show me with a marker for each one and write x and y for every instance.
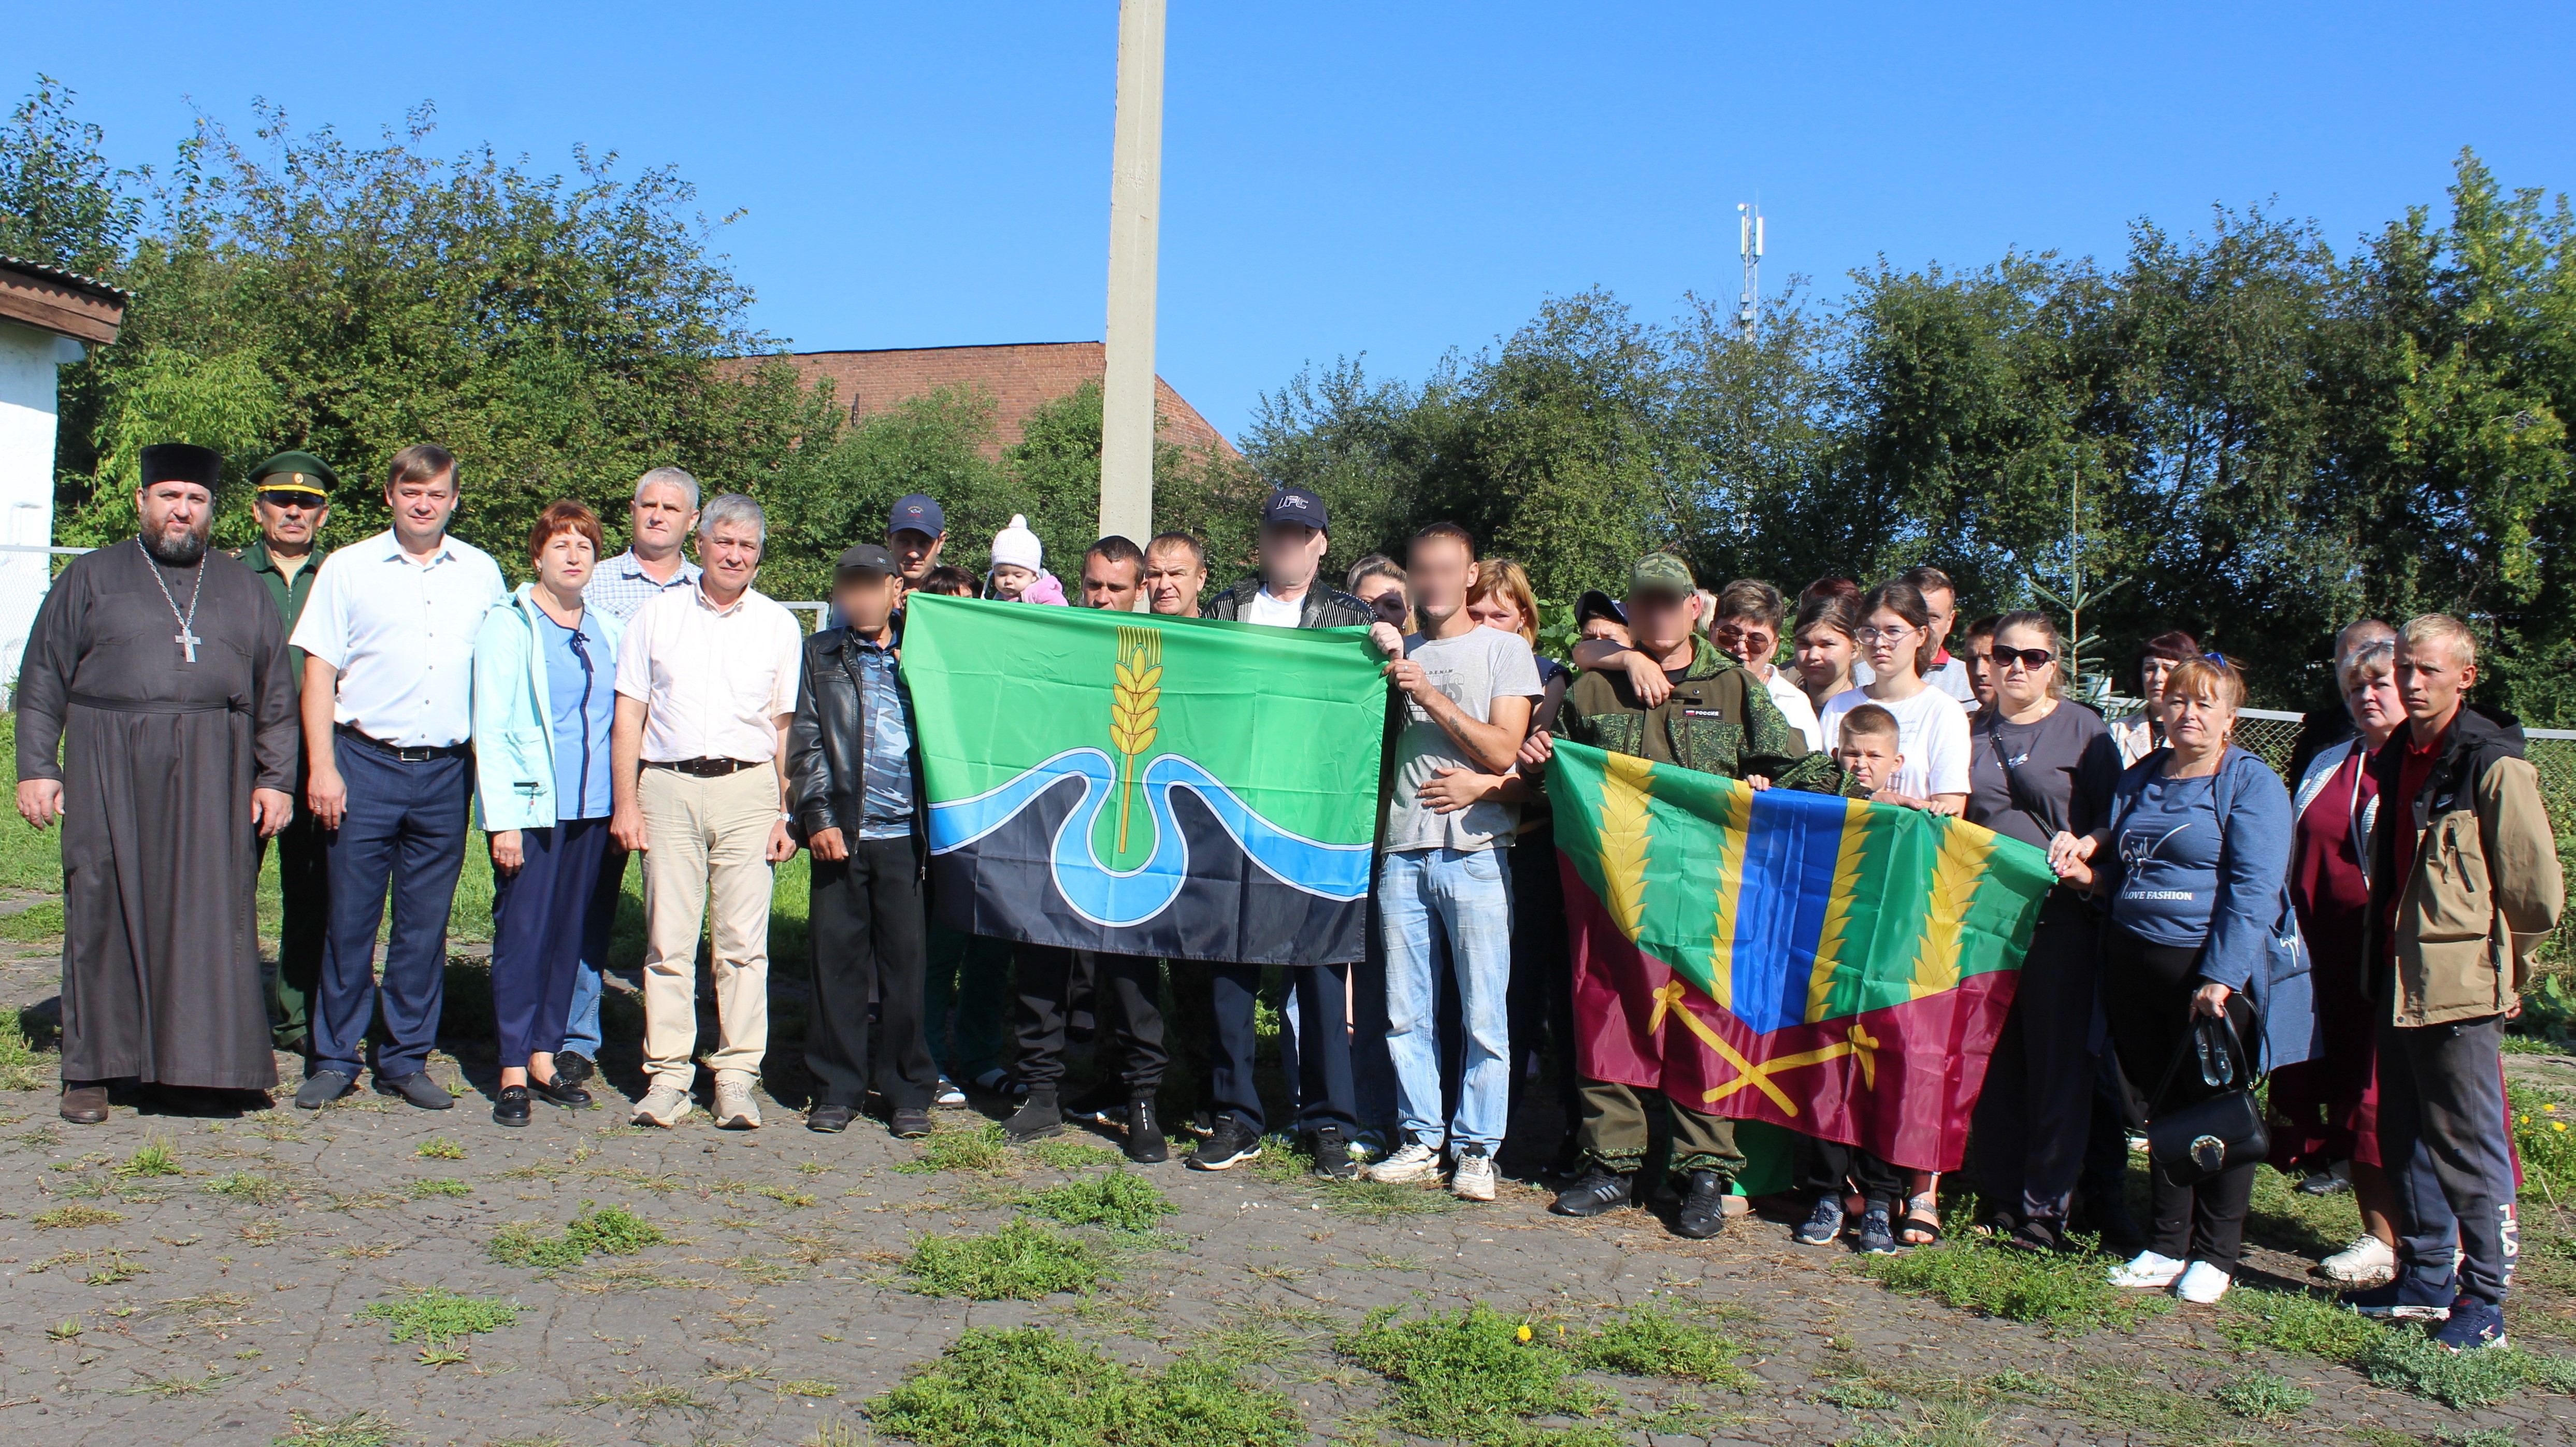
(1021, 377)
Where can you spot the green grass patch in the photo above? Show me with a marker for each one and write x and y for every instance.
(1029, 1387)
(22, 1065)
(1473, 1376)
(436, 1317)
(1120, 1200)
(2263, 1397)
(1069, 1155)
(1021, 1262)
(248, 1186)
(983, 1149)
(596, 1231)
(440, 1148)
(438, 1186)
(2403, 1357)
(2061, 1293)
(157, 1157)
(2298, 1324)
(357, 1429)
(78, 1214)
(1648, 1341)
(2544, 1132)
(43, 921)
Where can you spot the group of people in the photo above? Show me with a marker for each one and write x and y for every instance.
(2360, 938)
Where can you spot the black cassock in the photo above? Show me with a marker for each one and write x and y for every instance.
(160, 855)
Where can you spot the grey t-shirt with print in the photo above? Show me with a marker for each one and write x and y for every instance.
(1473, 669)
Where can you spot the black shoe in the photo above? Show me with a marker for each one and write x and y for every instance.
(1595, 1191)
(910, 1123)
(1703, 1212)
(1201, 1123)
(1100, 1105)
(830, 1119)
(510, 1107)
(1333, 1154)
(417, 1088)
(1039, 1118)
(294, 1045)
(1145, 1144)
(1232, 1144)
(2038, 1236)
(84, 1104)
(574, 1068)
(560, 1091)
(321, 1088)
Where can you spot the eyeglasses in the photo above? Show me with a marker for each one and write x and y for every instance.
(1891, 635)
(291, 497)
(2032, 659)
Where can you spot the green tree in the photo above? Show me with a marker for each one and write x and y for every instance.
(61, 203)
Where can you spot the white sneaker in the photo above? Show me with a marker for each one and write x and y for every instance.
(947, 1093)
(1474, 1178)
(2366, 1262)
(735, 1109)
(663, 1105)
(2147, 1271)
(1413, 1163)
(2202, 1284)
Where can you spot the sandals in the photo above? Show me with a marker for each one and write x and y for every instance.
(1921, 1224)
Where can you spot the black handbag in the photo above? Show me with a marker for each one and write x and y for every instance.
(2218, 1132)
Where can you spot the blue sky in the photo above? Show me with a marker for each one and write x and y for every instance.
(1388, 179)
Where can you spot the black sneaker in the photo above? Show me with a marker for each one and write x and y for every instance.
(1232, 1144)
(908, 1123)
(572, 1067)
(1333, 1154)
(1703, 1212)
(1144, 1144)
(1039, 1118)
(1100, 1105)
(1595, 1191)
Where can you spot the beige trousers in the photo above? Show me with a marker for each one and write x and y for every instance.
(709, 839)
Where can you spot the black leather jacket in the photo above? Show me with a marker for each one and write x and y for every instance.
(827, 743)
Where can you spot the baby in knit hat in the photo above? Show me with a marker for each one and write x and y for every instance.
(1019, 574)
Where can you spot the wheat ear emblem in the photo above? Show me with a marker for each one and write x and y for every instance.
(1135, 704)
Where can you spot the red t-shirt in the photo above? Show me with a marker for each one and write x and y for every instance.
(2414, 766)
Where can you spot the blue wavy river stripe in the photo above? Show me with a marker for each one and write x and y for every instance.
(1334, 871)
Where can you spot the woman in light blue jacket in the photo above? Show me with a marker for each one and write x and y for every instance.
(545, 671)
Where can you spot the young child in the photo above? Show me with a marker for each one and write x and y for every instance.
(1019, 574)
(1868, 750)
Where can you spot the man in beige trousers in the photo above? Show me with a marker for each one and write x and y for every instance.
(706, 684)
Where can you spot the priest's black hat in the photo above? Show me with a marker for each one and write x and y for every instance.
(180, 462)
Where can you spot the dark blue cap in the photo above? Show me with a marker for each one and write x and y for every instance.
(1295, 505)
(917, 512)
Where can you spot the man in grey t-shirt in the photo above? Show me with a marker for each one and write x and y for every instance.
(1468, 693)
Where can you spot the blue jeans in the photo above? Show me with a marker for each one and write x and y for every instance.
(404, 831)
(1464, 897)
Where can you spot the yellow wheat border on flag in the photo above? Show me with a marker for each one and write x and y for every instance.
(1956, 871)
(1829, 940)
(1627, 787)
(1730, 895)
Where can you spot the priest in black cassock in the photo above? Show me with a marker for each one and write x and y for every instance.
(160, 669)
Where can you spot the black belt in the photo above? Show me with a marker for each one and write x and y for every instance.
(705, 768)
(129, 705)
(418, 755)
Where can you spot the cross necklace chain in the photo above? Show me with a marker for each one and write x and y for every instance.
(186, 638)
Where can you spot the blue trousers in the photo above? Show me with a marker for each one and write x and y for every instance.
(405, 830)
(1462, 897)
(1320, 1062)
(581, 1027)
(544, 918)
(2442, 1133)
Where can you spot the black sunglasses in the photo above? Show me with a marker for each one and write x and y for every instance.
(292, 497)
(2033, 659)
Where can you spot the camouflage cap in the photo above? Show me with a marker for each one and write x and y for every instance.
(1661, 573)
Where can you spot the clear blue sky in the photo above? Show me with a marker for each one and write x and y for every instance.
(1387, 179)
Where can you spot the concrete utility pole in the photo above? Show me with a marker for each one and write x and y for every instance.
(1135, 207)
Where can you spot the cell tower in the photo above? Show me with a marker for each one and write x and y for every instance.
(1748, 244)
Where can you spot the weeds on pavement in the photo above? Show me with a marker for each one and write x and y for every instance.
(357, 1429)
(2391, 1356)
(2062, 1293)
(1119, 1199)
(64, 1217)
(438, 1186)
(2264, 1397)
(1069, 1155)
(22, 1066)
(645, 1397)
(983, 1148)
(1002, 1385)
(1649, 1341)
(157, 1157)
(1021, 1262)
(257, 1189)
(596, 1231)
(440, 1148)
(440, 1319)
(1472, 1376)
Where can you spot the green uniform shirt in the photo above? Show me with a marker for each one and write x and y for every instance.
(1719, 720)
(289, 596)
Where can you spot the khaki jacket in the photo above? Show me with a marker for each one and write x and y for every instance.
(2485, 889)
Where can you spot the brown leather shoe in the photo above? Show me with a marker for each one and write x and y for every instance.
(85, 1104)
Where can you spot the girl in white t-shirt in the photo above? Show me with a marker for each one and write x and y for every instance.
(1897, 635)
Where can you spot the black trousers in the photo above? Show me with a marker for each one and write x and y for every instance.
(1322, 1067)
(1832, 1168)
(2035, 1113)
(303, 886)
(1127, 1003)
(2147, 990)
(867, 930)
(1540, 998)
(2442, 1130)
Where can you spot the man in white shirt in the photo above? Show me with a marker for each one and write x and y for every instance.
(664, 508)
(1948, 673)
(388, 638)
(1747, 626)
(706, 685)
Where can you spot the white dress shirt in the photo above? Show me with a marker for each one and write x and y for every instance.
(1794, 706)
(402, 635)
(713, 680)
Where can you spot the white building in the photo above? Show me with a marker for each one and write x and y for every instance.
(47, 319)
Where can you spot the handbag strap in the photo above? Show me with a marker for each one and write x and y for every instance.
(2013, 786)
(2197, 1036)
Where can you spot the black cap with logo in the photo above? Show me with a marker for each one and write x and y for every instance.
(866, 558)
(1295, 505)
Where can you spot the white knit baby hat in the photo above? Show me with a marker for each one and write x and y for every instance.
(1016, 546)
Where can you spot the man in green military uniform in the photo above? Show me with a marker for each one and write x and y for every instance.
(291, 496)
(1675, 699)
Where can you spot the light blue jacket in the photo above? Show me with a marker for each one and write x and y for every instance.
(514, 738)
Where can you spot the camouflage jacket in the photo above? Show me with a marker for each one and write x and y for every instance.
(1719, 720)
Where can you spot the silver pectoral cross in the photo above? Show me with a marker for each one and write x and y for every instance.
(188, 641)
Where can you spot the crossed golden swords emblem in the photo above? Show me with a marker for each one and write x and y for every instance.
(1856, 1041)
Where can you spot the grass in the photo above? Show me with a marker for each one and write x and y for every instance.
(437, 1317)
(22, 1065)
(76, 1214)
(2264, 1397)
(2544, 1133)
(168, 1387)
(157, 1157)
(248, 1186)
(2068, 1294)
(1029, 1387)
(1471, 1376)
(1118, 1199)
(1021, 1262)
(36, 922)
(981, 1149)
(438, 1186)
(645, 1396)
(1068, 1155)
(1649, 1341)
(2391, 1356)
(357, 1429)
(596, 1231)
(440, 1148)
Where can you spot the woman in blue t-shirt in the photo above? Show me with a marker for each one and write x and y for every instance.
(2196, 856)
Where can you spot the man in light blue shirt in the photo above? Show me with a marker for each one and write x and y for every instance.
(664, 509)
(388, 636)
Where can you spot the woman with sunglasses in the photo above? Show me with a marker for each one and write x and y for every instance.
(1896, 633)
(2039, 767)
(545, 670)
